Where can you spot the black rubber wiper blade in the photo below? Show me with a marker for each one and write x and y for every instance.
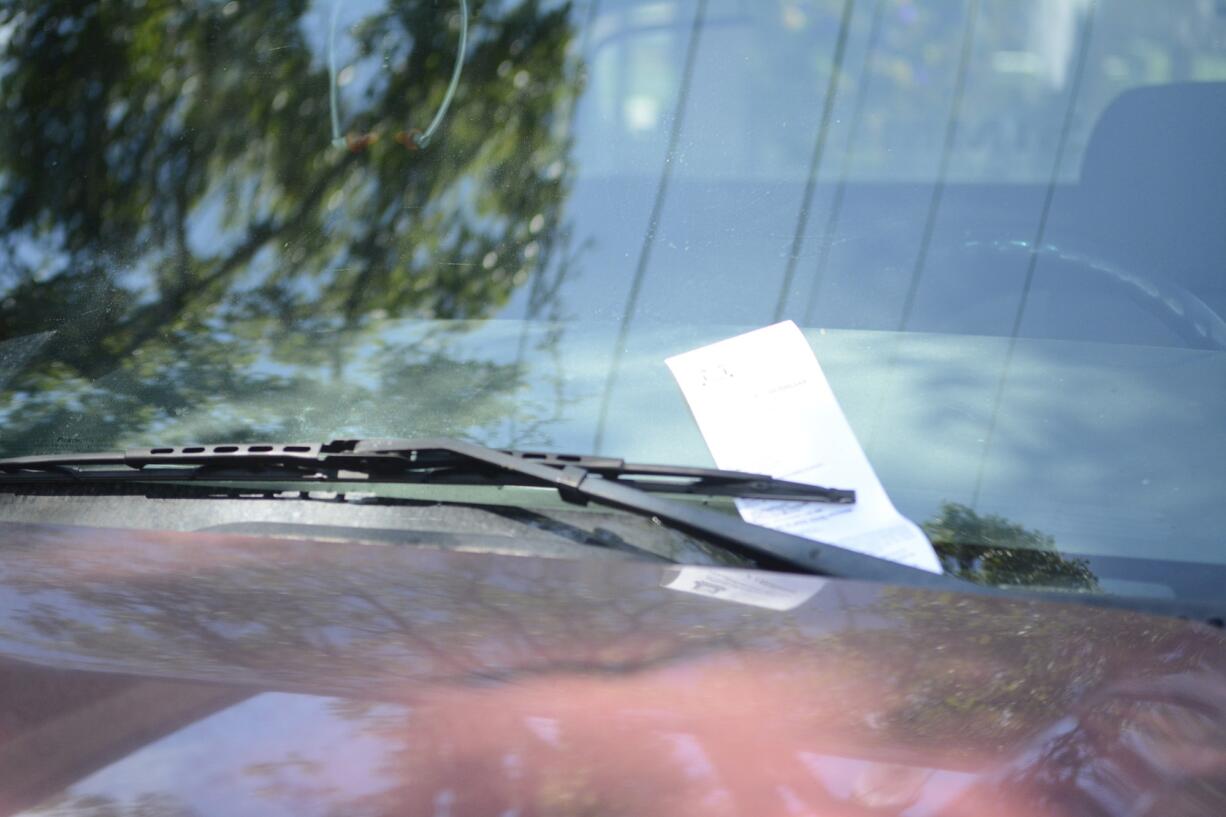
(433, 461)
(669, 479)
(601, 481)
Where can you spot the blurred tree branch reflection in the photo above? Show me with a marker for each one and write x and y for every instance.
(171, 206)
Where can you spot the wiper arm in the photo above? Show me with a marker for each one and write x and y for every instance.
(415, 461)
(601, 480)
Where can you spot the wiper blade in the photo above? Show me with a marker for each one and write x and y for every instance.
(416, 461)
(600, 480)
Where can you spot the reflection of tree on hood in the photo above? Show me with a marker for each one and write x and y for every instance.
(985, 672)
(1159, 740)
(168, 194)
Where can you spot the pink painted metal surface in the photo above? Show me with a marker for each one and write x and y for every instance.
(159, 673)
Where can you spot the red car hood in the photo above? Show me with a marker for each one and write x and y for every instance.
(166, 674)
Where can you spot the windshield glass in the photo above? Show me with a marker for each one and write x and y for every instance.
(999, 225)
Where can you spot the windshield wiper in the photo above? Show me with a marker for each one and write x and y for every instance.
(416, 461)
(605, 481)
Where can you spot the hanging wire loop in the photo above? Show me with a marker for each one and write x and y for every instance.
(411, 138)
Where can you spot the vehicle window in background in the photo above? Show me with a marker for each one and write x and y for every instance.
(999, 222)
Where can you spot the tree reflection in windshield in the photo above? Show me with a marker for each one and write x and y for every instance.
(173, 211)
(992, 550)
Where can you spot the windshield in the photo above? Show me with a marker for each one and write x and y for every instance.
(999, 225)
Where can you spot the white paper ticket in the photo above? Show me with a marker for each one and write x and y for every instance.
(763, 405)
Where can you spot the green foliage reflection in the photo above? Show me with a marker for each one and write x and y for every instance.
(990, 549)
(171, 208)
